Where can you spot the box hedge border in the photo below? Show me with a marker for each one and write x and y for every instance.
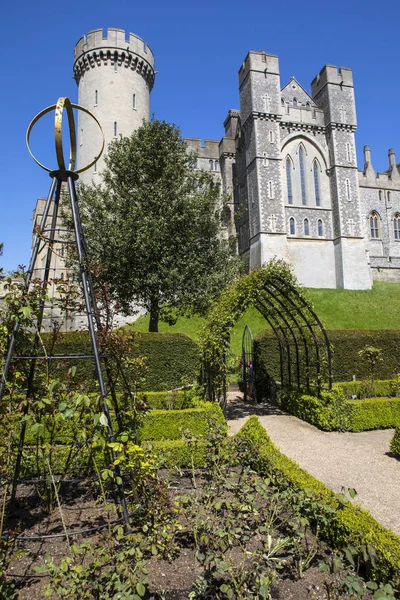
(351, 523)
(169, 424)
(332, 412)
(169, 454)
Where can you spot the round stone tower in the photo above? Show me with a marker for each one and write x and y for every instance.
(115, 75)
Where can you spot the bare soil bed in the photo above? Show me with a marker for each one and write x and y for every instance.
(171, 578)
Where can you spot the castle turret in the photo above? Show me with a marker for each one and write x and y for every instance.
(333, 91)
(260, 110)
(115, 75)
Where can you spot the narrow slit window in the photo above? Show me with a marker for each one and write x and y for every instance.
(115, 128)
(270, 189)
(271, 137)
(380, 196)
(302, 177)
(292, 226)
(396, 227)
(320, 228)
(389, 197)
(289, 180)
(96, 97)
(306, 227)
(134, 101)
(316, 184)
(348, 189)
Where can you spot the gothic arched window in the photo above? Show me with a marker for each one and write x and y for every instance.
(316, 183)
(374, 226)
(320, 228)
(289, 180)
(292, 226)
(306, 227)
(294, 101)
(396, 226)
(302, 176)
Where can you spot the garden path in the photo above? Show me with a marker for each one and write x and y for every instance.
(350, 460)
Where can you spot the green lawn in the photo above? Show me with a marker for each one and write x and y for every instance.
(378, 308)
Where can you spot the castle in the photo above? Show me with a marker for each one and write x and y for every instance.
(287, 161)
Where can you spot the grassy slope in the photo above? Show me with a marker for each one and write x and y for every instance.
(378, 308)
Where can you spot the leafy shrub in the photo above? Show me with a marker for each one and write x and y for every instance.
(395, 442)
(329, 412)
(377, 548)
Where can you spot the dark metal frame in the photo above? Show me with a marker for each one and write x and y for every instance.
(58, 178)
(248, 365)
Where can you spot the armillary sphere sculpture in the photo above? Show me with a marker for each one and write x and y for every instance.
(68, 175)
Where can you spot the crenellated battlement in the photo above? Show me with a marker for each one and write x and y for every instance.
(210, 149)
(334, 75)
(115, 38)
(116, 47)
(261, 62)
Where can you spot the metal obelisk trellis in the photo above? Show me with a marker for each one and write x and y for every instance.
(69, 176)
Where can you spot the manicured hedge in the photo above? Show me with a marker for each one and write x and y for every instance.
(386, 388)
(331, 412)
(169, 424)
(171, 400)
(172, 358)
(373, 413)
(348, 524)
(346, 344)
(177, 453)
(395, 442)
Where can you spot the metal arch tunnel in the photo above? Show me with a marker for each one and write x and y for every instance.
(304, 348)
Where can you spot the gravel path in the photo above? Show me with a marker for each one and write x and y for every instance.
(349, 460)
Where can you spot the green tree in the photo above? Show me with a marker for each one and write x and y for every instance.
(153, 226)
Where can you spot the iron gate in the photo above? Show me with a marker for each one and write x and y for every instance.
(248, 370)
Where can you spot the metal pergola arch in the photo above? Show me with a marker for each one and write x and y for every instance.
(298, 326)
(304, 349)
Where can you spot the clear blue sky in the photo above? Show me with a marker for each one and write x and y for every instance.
(198, 47)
